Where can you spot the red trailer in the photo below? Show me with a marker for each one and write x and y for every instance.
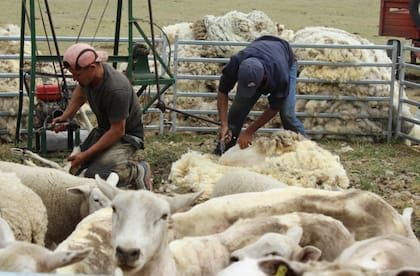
(401, 18)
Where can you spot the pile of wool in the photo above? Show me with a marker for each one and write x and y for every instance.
(284, 155)
(336, 78)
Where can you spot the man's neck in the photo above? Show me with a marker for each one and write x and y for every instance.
(99, 75)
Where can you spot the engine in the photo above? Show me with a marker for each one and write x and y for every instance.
(50, 103)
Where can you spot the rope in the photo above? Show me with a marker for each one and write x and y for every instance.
(84, 21)
(100, 20)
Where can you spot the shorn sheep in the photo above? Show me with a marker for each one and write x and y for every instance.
(364, 213)
(205, 255)
(23, 209)
(19, 256)
(201, 255)
(139, 229)
(390, 254)
(275, 244)
(65, 209)
(92, 231)
(287, 246)
(285, 156)
(244, 181)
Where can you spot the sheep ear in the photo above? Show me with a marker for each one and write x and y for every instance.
(309, 253)
(67, 257)
(181, 202)
(6, 233)
(109, 190)
(406, 218)
(295, 233)
(83, 189)
(113, 179)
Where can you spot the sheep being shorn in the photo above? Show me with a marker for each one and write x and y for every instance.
(23, 209)
(244, 181)
(284, 156)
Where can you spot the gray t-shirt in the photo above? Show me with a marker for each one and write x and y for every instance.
(113, 100)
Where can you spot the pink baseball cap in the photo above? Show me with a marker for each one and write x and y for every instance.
(81, 55)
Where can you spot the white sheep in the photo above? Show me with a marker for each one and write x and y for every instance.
(139, 229)
(92, 231)
(205, 254)
(23, 209)
(390, 255)
(276, 244)
(285, 156)
(244, 181)
(64, 209)
(364, 213)
(19, 256)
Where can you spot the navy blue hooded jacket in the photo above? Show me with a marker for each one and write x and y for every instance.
(277, 57)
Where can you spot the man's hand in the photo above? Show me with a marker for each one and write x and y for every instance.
(224, 132)
(245, 140)
(59, 124)
(76, 161)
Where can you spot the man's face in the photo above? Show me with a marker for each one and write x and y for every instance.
(83, 75)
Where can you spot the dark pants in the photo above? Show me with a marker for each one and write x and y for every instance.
(122, 158)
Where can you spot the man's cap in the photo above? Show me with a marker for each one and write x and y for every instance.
(80, 55)
(250, 76)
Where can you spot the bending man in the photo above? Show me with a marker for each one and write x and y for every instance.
(265, 67)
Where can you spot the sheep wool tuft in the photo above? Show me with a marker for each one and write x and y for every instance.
(23, 209)
(284, 156)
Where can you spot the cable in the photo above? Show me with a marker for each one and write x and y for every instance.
(84, 21)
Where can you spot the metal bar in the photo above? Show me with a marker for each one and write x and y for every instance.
(117, 31)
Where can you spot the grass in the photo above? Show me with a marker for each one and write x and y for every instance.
(356, 16)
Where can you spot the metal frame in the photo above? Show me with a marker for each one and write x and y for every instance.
(166, 77)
